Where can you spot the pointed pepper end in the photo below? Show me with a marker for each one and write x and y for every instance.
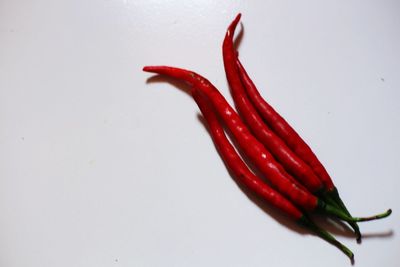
(147, 68)
(232, 26)
(359, 239)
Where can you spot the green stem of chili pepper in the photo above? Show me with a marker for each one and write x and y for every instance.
(304, 221)
(329, 200)
(329, 209)
(292, 163)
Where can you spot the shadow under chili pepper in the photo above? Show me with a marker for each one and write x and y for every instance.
(387, 234)
(239, 37)
(333, 225)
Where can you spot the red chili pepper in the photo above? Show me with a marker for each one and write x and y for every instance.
(295, 142)
(273, 171)
(264, 134)
(250, 145)
(251, 181)
(310, 174)
(283, 129)
(236, 164)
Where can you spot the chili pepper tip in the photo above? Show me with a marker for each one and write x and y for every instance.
(359, 238)
(238, 16)
(148, 68)
(232, 26)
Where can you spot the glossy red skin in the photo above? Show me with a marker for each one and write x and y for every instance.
(234, 162)
(284, 130)
(293, 163)
(257, 153)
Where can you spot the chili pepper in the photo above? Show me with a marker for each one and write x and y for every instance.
(266, 163)
(283, 129)
(292, 139)
(251, 181)
(242, 90)
(294, 142)
(262, 132)
(236, 164)
(250, 145)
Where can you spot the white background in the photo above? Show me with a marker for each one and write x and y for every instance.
(99, 168)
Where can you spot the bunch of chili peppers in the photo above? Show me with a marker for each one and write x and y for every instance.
(294, 180)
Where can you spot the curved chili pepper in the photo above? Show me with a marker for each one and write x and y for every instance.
(283, 129)
(236, 164)
(251, 181)
(262, 132)
(263, 160)
(245, 95)
(250, 145)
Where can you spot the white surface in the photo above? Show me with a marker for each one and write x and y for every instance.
(98, 168)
